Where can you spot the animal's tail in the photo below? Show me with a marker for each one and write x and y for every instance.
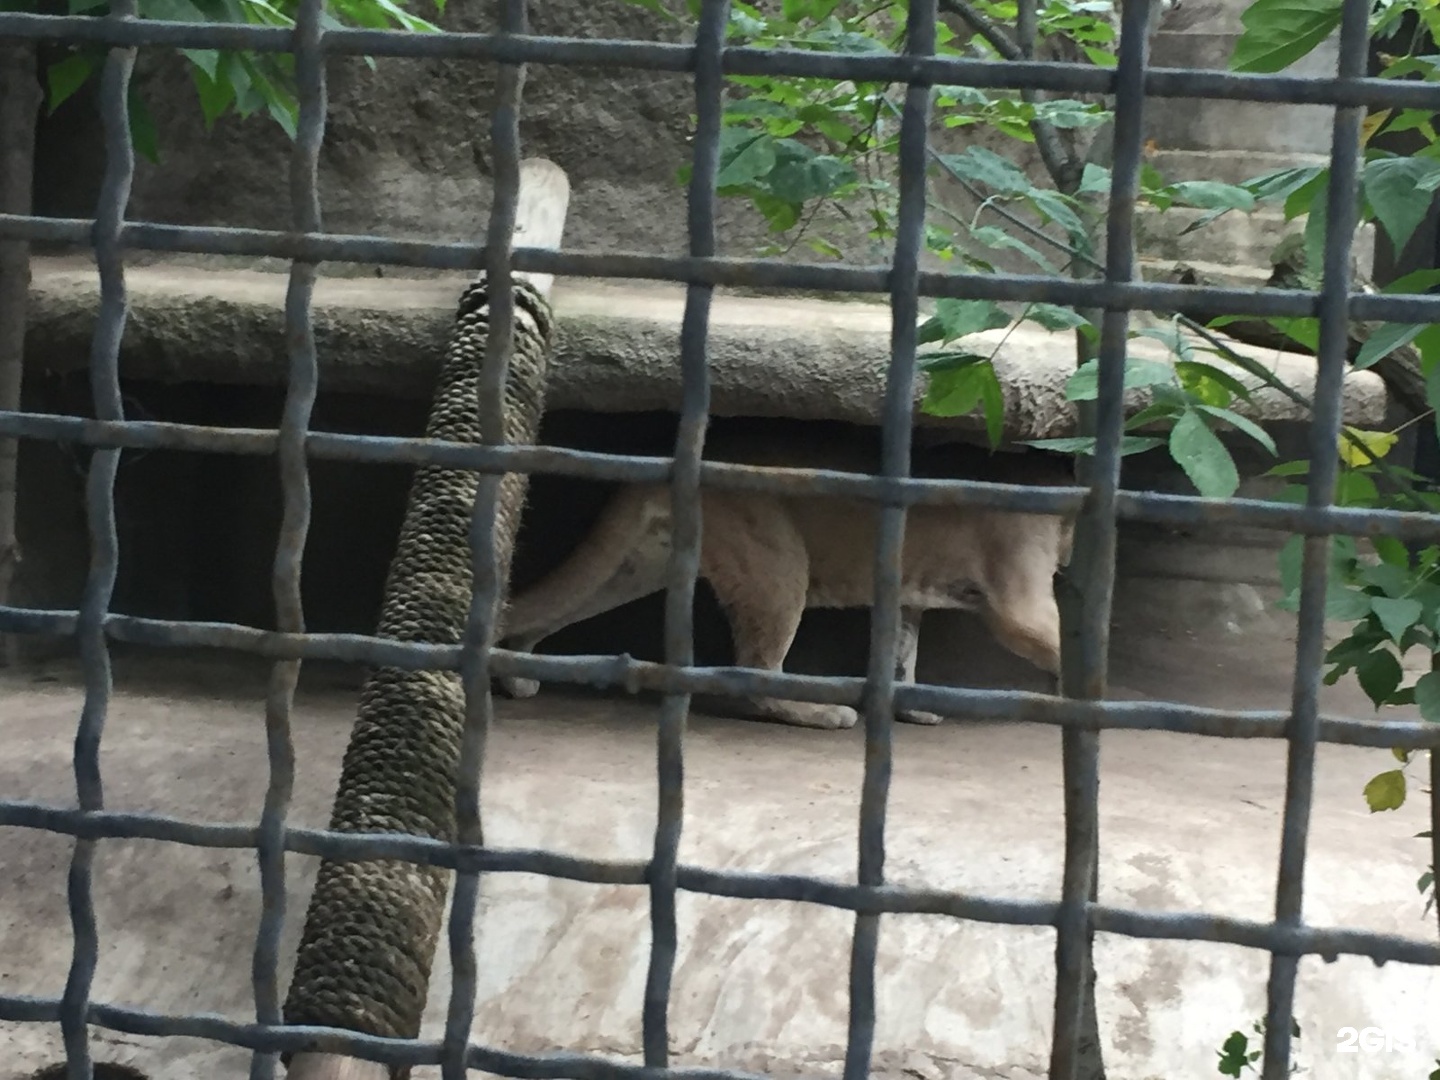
(622, 559)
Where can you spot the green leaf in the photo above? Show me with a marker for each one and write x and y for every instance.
(1344, 604)
(215, 94)
(64, 77)
(1392, 186)
(956, 391)
(1427, 696)
(1279, 32)
(1289, 468)
(1055, 207)
(1379, 674)
(1053, 317)
(1385, 341)
(1169, 336)
(955, 319)
(1085, 444)
(986, 167)
(1417, 281)
(1193, 372)
(1282, 183)
(998, 239)
(1386, 791)
(745, 156)
(207, 60)
(1301, 199)
(1394, 581)
(1084, 385)
(1397, 615)
(1234, 1054)
(1067, 113)
(1241, 423)
(799, 180)
(1212, 195)
(1202, 455)
(1095, 180)
(285, 111)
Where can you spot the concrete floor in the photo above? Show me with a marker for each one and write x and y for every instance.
(1187, 825)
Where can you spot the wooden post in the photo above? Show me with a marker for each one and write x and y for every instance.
(540, 223)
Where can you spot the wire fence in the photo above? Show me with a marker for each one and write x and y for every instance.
(1101, 505)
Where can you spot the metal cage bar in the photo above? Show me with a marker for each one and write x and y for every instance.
(1076, 915)
(878, 698)
(302, 388)
(1325, 422)
(683, 569)
(104, 541)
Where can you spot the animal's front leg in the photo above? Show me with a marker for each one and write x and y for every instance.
(906, 651)
(760, 575)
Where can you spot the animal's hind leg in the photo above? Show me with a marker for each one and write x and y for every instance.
(634, 569)
(907, 649)
(756, 563)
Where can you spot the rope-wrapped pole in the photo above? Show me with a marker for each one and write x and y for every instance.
(371, 928)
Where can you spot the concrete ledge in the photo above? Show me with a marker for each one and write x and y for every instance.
(617, 346)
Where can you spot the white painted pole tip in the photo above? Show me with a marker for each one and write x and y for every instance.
(540, 213)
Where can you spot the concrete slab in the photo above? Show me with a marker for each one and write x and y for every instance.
(1187, 825)
(617, 346)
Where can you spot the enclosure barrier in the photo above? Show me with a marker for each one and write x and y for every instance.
(1101, 504)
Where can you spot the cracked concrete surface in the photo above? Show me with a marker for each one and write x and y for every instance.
(1187, 824)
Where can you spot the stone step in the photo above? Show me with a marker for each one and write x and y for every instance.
(1227, 166)
(1244, 277)
(1233, 239)
(1197, 124)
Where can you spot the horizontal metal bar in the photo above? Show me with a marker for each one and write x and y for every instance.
(341, 847)
(633, 676)
(739, 60)
(1197, 300)
(395, 1052)
(1285, 940)
(1147, 506)
(732, 884)
(297, 1039)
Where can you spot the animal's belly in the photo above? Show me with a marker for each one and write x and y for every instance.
(859, 592)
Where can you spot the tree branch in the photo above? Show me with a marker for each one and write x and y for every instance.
(1064, 167)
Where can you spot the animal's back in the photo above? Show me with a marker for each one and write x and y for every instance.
(952, 555)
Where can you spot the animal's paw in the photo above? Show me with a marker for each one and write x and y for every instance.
(915, 716)
(812, 715)
(514, 687)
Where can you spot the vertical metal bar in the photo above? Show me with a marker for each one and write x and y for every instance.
(1094, 571)
(488, 580)
(300, 392)
(104, 541)
(685, 515)
(879, 696)
(1341, 217)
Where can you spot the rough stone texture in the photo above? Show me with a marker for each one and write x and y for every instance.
(617, 347)
(407, 149)
(1186, 826)
(1229, 141)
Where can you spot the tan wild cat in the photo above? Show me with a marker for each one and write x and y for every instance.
(768, 558)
